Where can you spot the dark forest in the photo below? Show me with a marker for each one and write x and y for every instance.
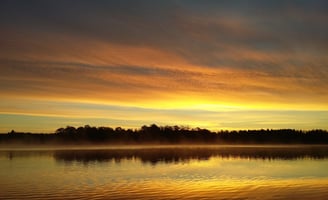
(154, 134)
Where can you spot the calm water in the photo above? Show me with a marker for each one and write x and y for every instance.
(239, 172)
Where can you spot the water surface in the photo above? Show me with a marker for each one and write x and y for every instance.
(185, 172)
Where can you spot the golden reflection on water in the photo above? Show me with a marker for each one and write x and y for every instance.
(145, 173)
(234, 189)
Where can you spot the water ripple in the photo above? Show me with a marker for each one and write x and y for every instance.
(66, 175)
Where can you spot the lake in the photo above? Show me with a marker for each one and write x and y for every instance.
(165, 172)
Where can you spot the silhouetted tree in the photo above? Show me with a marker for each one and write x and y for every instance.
(169, 135)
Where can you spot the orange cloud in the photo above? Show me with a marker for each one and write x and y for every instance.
(61, 67)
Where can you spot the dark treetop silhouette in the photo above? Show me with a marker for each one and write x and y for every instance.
(166, 135)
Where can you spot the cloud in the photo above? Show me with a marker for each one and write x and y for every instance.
(106, 74)
(165, 54)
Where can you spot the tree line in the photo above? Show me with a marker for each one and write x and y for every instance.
(154, 134)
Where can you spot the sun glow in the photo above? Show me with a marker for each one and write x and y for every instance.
(199, 69)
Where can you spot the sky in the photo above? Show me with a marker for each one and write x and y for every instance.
(220, 65)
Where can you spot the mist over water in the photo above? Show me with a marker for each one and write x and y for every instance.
(170, 172)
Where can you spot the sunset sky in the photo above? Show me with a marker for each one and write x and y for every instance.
(209, 64)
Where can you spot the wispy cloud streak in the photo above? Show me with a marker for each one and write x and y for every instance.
(269, 55)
